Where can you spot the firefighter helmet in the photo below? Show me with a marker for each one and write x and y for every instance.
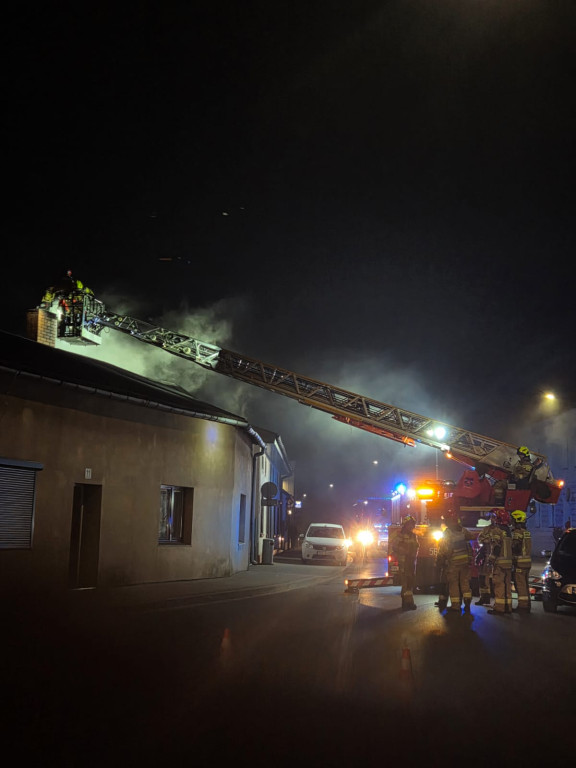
(409, 520)
(503, 517)
(519, 516)
(523, 451)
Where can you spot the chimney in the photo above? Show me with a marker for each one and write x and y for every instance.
(41, 326)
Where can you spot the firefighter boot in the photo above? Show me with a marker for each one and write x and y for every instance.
(484, 600)
(441, 604)
(467, 601)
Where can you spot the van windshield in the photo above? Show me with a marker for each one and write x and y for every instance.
(322, 532)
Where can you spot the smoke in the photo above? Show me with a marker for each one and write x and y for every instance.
(325, 452)
(555, 437)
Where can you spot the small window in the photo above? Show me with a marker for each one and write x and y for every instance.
(242, 519)
(175, 525)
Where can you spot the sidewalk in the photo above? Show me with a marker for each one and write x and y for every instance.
(286, 573)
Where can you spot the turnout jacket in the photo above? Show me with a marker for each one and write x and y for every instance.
(498, 543)
(455, 548)
(521, 548)
(405, 546)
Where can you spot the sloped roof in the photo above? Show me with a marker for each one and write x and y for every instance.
(19, 354)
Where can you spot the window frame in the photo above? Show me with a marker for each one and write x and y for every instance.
(183, 498)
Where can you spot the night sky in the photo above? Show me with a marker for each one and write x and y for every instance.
(379, 195)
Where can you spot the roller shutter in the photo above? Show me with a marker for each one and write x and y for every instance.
(17, 495)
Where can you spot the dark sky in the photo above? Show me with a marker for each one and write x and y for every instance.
(375, 194)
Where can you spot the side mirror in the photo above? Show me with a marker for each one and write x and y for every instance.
(546, 553)
(301, 537)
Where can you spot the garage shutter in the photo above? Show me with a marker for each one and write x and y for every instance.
(17, 490)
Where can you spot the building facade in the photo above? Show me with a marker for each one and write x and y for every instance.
(108, 478)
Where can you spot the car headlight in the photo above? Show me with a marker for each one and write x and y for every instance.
(306, 544)
(365, 538)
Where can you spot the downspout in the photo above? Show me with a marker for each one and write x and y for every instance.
(253, 546)
(283, 510)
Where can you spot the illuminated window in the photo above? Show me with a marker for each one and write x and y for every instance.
(175, 526)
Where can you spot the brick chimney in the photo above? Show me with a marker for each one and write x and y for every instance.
(41, 326)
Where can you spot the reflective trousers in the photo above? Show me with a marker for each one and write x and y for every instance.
(407, 576)
(522, 587)
(458, 578)
(502, 582)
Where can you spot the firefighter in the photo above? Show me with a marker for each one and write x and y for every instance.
(69, 285)
(521, 559)
(442, 601)
(484, 569)
(405, 546)
(522, 471)
(455, 555)
(501, 560)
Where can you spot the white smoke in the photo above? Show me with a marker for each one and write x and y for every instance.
(324, 451)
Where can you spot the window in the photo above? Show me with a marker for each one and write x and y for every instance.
(242, 519)
(17, 500)
(175, 515)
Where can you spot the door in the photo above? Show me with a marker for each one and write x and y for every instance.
(85, 536)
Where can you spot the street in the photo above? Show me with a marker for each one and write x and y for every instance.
(312, 673)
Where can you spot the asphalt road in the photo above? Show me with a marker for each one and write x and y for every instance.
(297, 671)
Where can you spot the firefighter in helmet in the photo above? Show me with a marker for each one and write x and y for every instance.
(405, 547)
(501, 560)
(521, 558)
(481, 562)
(522, 470)
(455, 556)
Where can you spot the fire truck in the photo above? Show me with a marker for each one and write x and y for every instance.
(432, 503)
(489, 478)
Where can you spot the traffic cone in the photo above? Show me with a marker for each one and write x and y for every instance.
(226, 644)
(406, 676)
(225, 650)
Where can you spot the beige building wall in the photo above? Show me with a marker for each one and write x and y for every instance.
(129, 451)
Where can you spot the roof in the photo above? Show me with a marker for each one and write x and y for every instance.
(21, 355)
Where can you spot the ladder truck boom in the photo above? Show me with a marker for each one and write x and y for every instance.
(392, 422)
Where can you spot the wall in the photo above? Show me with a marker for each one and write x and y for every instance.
(129, 451)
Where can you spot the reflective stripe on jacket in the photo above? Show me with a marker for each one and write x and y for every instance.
(455, 547)
(522, 548)
(502, 547)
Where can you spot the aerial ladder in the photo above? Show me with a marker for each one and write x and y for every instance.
(82, 318)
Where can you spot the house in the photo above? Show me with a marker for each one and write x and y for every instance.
(108, 478)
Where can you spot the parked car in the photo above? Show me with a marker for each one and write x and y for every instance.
(325, 542)
(559, 575)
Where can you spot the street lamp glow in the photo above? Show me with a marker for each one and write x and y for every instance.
(550, 396)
